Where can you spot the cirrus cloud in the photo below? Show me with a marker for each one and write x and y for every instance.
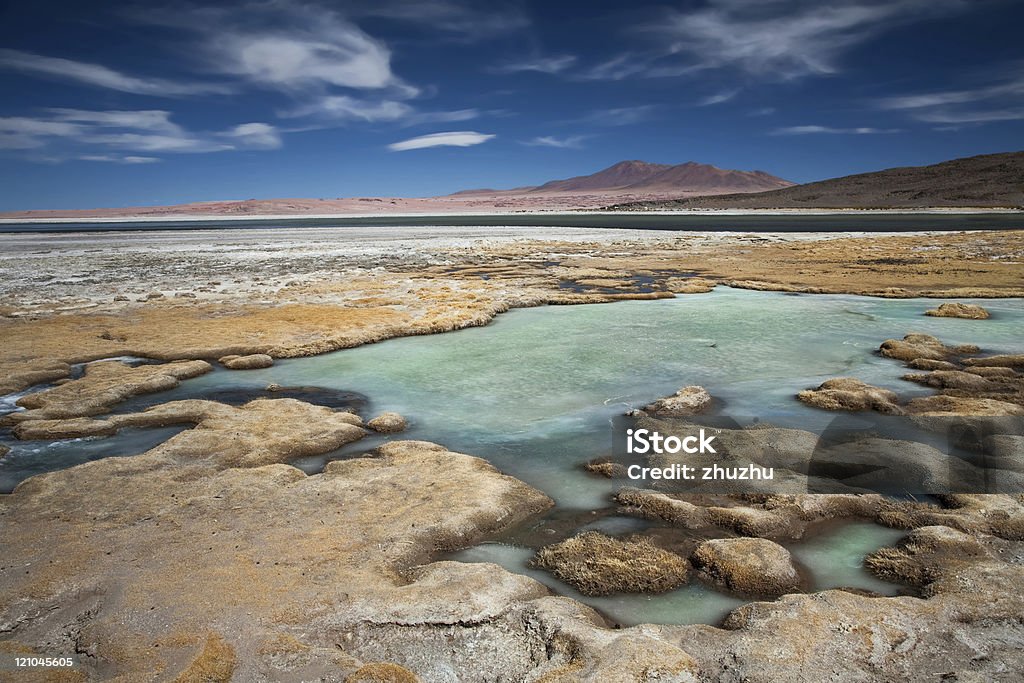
(460, 138)
(830, 130)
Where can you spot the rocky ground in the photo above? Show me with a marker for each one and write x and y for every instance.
(210, 558)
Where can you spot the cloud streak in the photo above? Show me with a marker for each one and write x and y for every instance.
(829, 130)
(546, 65)
(151, 131)
(1000, 101)
(767, 39)
(114, 159)
(570, 142)
(285, 46)
(463, 138)
(99, 76)
(620, 116)
(718, 98)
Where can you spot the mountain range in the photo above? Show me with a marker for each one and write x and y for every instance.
(992, 180)
(988, 180)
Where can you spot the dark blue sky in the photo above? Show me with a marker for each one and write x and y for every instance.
(116, 104)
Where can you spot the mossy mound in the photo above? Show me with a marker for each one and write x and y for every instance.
(596, 564)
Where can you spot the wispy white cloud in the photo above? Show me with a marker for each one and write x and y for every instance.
(570, 142)
(100, 76)
(453, 116)
(620, 116)
(340, 110)
(81, 133)
(617, 68)
(344, 108)
(463, 138)
(717, 98)
(816, 130)
(156, 142)
(284, 45)
(447, 19)
(767, 39)
(21, 132)
(548, 65)
(999, 101)
(114, 159)
(254, 136)
(147, 119)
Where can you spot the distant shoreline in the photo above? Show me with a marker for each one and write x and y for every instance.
(192, 218)
(823, 222)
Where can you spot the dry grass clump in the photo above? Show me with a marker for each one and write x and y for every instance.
(383, 672)
(603, 468)
(596, 564)
(215, 664)
(958, 310)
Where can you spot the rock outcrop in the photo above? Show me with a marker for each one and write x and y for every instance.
(959, 310)
(847, 393)
(924, 554)
(914, 346)
(388, 423)
(103, 385)
(1012, 360)
(276, 562)
(253, 361)
(953, 379)
(596, 564)
(689, 400)
(261, 432)
(749, 566)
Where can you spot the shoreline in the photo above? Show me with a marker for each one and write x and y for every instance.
(187, 218)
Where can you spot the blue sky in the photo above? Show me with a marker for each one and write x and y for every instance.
(118, 104)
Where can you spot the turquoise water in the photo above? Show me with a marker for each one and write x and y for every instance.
(834, 559)
(535, 391)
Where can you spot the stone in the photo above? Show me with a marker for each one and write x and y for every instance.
(914, 346)
(960, 405)
(847, 393)
(748, 566)
(1011, 360)
(261, 432)
(689, 400)
(953, 379)
(254, 361)
(596, 564)
(104, 385)
(930, 364)
(959, 310)
(606, 468)
(388, 423)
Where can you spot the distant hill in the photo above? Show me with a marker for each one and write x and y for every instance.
(621, 175)
(989, 180)
(642, 177)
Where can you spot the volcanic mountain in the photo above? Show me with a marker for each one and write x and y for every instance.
(689, 178)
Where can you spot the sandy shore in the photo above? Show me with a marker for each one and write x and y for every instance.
(295, 577)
